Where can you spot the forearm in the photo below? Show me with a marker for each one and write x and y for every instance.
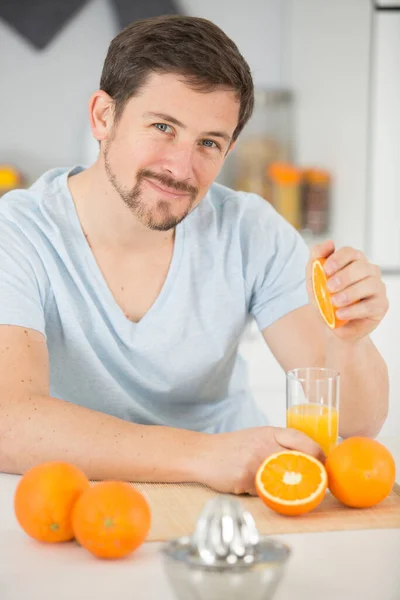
(364, 385)
(39, 429)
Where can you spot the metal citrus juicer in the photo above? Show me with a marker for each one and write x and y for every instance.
(225, 558)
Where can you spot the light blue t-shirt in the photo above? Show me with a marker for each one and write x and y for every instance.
(179, 366)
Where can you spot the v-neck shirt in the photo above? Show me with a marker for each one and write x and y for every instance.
(234, 258)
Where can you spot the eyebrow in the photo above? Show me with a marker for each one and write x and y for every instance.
(165, 117)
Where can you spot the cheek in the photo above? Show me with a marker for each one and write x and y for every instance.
(132, 149)
(147, 153)
(207, 169)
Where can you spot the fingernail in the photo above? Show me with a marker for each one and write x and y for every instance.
(332, 284)
(329, 268)
(339, 299)
(341, 313)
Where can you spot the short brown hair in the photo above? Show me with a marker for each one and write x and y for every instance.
(191, 46)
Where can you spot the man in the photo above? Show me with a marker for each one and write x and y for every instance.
(125, 287)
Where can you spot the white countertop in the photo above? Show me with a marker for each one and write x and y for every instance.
(344, 565)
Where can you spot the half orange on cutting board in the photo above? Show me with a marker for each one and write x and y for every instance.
(323, 296)
(291, 482)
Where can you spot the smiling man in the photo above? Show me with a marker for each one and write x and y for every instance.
(125, 287)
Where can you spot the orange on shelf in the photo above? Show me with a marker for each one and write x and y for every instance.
(361, 472)
(291, 483)
(111, 519)
(44, 499)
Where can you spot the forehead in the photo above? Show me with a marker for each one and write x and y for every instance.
(169, 94)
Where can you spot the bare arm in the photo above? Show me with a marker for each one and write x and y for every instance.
(35, 428)
(365, 397)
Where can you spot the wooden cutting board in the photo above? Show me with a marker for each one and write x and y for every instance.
(176, 507)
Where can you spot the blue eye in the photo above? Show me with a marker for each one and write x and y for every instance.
(162, 127)
(209, 144)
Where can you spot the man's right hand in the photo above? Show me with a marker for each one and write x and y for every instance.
(230, 462)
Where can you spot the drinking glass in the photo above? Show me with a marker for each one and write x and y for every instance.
(312, 404)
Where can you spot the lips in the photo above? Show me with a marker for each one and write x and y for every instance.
(166, 191)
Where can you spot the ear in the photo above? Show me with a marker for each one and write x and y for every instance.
(101, 114)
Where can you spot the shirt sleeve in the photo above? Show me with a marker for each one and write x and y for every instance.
(21, 282)
(276, 270)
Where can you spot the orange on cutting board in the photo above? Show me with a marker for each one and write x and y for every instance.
(291, 483)
(361, 472)
(44, 499)
(323, 296)
(111, 519)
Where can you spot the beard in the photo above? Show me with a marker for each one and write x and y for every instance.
(159, 217)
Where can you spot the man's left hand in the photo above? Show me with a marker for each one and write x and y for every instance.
(358, 292)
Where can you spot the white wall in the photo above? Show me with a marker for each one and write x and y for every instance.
(258, 27)
(44, 94)
(328, 68)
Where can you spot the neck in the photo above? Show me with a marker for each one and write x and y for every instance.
(105, 218)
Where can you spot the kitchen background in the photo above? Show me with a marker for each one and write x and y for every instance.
(323, 145)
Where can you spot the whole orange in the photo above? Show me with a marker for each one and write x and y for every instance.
(44, 499)
(361, 472)
(111, 519)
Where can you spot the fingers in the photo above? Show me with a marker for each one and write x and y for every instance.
(292, 439)
(374, 308)
(251, 489)
(322, 250)
(356, 288)
(352, 273)
(361, 290)
(341, 258)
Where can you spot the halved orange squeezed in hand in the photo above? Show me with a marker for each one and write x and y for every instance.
(291, 482)
(323, 296)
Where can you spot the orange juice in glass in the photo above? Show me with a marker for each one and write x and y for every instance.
(312, 404)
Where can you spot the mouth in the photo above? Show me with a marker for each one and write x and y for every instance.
(169, 192)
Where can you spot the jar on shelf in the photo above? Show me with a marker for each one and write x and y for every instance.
(285, 182)
(316, 189)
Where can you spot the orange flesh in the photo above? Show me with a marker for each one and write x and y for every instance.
(322, 295)
(273, 477)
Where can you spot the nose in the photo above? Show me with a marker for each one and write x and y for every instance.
(178, 161)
